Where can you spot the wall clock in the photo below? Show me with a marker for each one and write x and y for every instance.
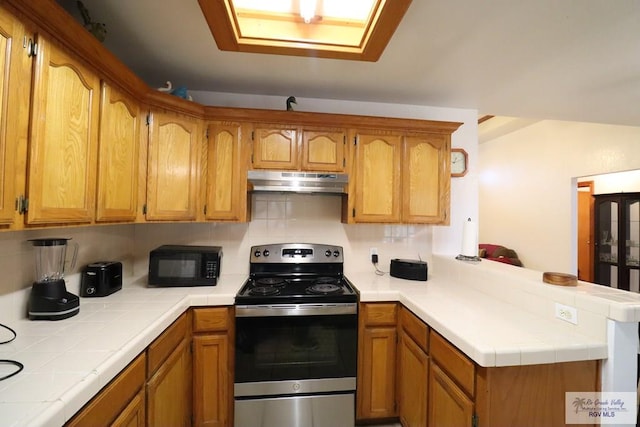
(459, 162)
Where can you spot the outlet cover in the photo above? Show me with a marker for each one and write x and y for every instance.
(567, 313)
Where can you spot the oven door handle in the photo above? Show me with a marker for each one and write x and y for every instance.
(275, 310)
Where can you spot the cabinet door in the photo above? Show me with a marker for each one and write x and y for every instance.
(212, 397)
(449, 406)
(134, 414)
(413, 373)
(377, 197)
(14, 104)
(323, 150)
(119, 142)
(275, 148)
(376, 374)
(64, 134)
(174, 153)
(226, 174)
(425, 182)
(169, 390)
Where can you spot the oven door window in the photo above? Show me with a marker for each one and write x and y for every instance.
(295, 347)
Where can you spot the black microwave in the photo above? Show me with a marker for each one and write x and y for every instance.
(183, 265)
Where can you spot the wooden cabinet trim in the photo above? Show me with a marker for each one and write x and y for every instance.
(458, 409)
(415, 328)
(379, 314)
(216, 319)
(114, 398)
(455, 363)
(160, 349)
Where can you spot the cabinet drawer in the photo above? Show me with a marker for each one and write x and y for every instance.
(379, 314)
(415, 328)
(211, 319)
(114, 398)
(162, 347)
(453, 362)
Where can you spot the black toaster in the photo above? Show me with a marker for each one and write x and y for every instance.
(100, 279)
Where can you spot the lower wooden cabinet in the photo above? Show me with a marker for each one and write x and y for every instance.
(212, 367)
(449, 406)
(413, 370)
(169, 389)
(376, 380)
(121, 402)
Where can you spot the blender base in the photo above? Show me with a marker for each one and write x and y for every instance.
(51, 301)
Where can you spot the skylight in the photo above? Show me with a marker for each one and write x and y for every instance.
(352, 29)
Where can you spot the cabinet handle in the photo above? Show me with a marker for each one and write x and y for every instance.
(31, 46)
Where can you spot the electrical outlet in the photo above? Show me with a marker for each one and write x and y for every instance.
(567, 313)
(373, 255)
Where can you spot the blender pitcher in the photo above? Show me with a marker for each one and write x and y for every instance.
(49, 299)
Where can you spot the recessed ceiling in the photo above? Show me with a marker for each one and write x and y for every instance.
(355, 29)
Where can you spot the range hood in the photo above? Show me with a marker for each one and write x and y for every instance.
(298, 182)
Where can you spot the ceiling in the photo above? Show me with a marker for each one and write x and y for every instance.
(539, 59)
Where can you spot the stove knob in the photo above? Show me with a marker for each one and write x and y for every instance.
(257, 253)
(327, 253)
(336, 253)
(265, 252)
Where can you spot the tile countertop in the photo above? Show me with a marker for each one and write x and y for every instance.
(493, 317)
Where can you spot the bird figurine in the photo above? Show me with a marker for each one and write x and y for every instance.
(98, 29)
(291, 100)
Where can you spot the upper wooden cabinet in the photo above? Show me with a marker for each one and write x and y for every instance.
(425, 179)
(323, 150)
(377, 176)
(119, 143)
(401, 177)
(15, 83)
(226, 193)
(173, 167)
(64, 134)
(298, 148)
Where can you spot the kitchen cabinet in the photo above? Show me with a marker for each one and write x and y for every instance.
(617, 240)
(15, 78)
(323, 150)
(299, 148)
(451, 385)
(120, 403)
(376, 378)
(168, 387)
(226, 197)
(212, 367)
(174, 153)
(425, 179)
(119, 143)
(413, 370)
(401, 177)
(63, 138)
(378, 185)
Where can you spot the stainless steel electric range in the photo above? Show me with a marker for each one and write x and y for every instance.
(296, 339)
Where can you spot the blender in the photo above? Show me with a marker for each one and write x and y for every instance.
(49, 299)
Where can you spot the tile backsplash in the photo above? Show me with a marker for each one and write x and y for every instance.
(276, 218)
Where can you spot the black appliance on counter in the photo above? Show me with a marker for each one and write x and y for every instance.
(296, 339)
(101, 278)
(49, 298)
(184, 265)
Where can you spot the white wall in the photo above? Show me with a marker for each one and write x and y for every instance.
(527, 185)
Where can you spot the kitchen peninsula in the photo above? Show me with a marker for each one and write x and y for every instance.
(494, 315)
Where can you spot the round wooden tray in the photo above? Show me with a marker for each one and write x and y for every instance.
(559, 279)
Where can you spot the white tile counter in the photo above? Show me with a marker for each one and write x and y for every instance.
(498, 315)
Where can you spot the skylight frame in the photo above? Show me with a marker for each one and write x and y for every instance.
(223, 23)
